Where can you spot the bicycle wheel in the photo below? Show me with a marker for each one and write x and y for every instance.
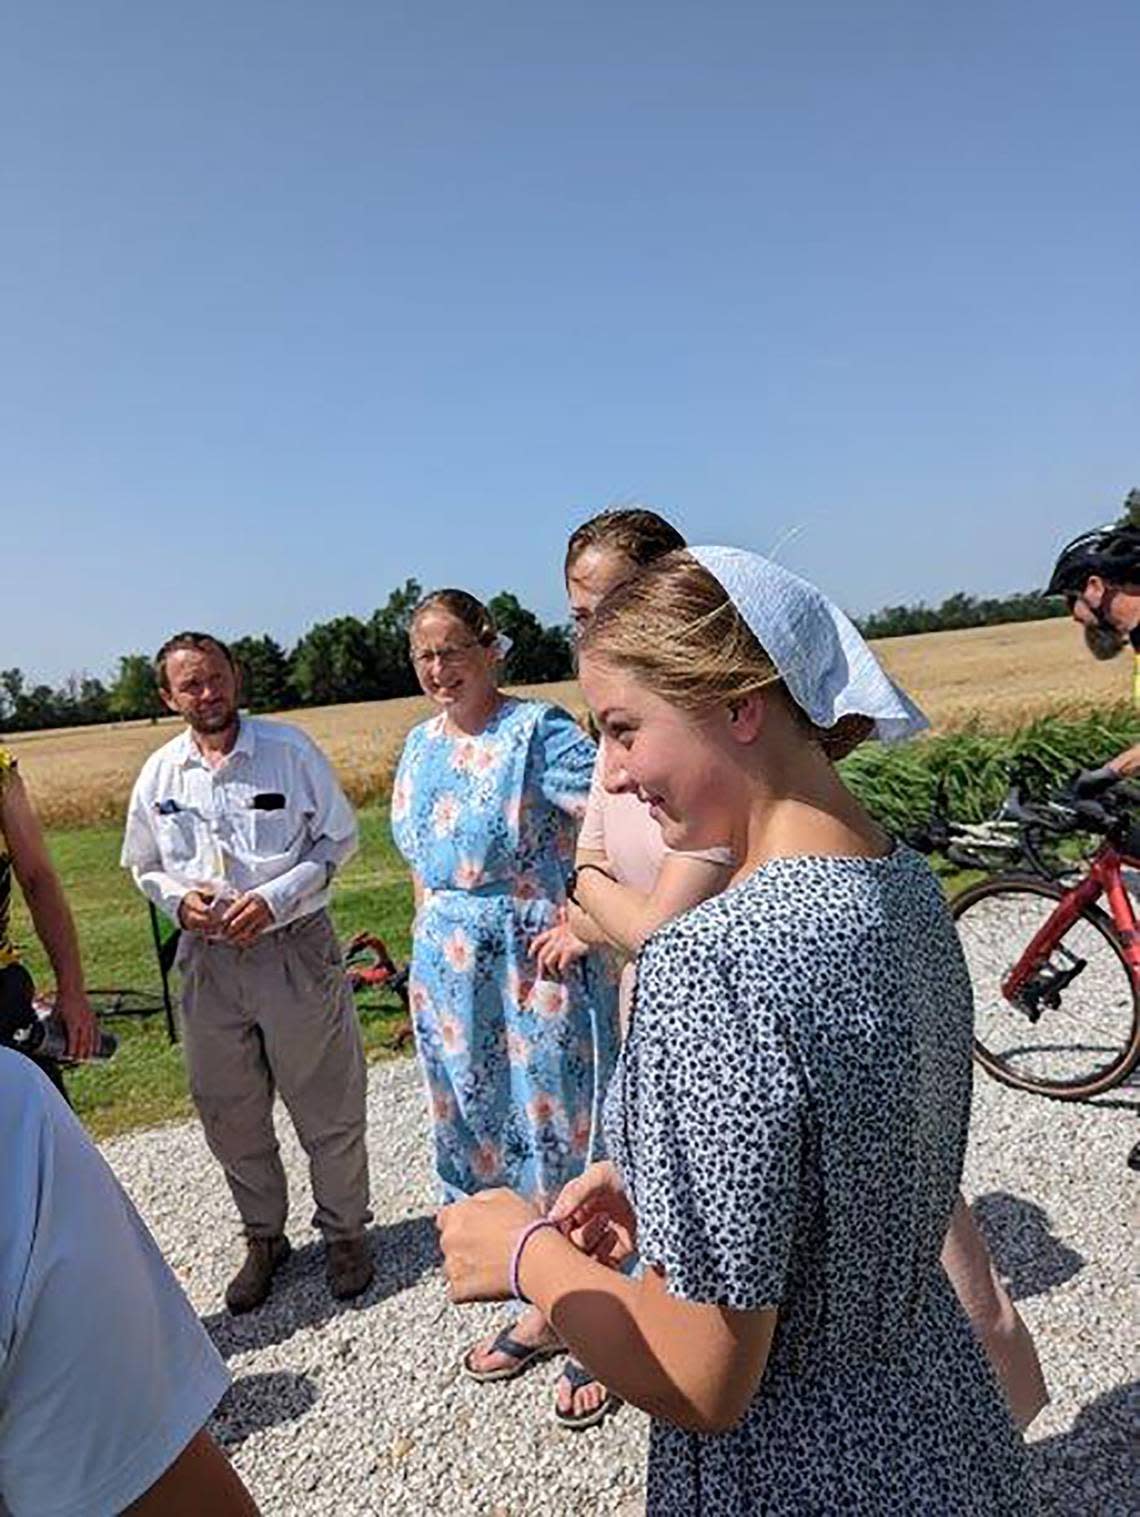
(1074, 1028)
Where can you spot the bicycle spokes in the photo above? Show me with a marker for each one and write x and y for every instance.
(1061, 1021)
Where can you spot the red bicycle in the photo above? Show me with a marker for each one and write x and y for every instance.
(1056, 976)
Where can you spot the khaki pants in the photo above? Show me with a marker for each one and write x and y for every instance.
(278, 1016)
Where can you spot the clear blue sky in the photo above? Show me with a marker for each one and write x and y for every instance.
(298, 300)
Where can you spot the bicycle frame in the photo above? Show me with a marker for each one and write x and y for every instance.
(1103, 878)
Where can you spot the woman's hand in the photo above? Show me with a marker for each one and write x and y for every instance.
(556, 949)
(478, 1238)
(594, 1212)
(74, 1009)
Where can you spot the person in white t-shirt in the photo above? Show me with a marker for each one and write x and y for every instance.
(107, 1378)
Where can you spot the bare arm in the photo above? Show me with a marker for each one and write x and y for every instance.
(694, 1365)
(200, 1480)
(50, 913)
(583, 926)
(1128, 762)
(993, 1316)
(627, 916)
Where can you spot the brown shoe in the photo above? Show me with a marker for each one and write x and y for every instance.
(348, 1264)
(252, 1283)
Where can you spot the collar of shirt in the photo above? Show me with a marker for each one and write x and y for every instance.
(189, 754)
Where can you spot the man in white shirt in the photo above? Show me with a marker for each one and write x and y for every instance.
(235, 829)
(107, 1378)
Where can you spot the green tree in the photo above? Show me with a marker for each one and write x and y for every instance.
(388, 629)
(80, 700)
(11, 688)
(334, 662)
(134, 691)
(91, 700)
(537, 653)
(267, 684)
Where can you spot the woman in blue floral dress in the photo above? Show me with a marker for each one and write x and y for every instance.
(485, 807)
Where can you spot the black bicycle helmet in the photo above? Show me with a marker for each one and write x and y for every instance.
(1112, 553)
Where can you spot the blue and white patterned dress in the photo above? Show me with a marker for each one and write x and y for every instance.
(516, 1066)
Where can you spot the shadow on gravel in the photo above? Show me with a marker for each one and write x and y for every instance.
(404, 1252)
(1092, 1468)
(255, 1402)
(1024, 1249)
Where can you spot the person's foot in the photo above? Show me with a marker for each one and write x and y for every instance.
(253, 1282)
(348, 1265)
(530, 1331)
(581, 1401)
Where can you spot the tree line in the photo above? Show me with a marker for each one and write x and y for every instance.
(346, 659)
(349, 659)
(961, 610)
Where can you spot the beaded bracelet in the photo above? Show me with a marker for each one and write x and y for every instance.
(524, 1238)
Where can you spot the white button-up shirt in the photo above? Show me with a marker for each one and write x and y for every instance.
(271, 818)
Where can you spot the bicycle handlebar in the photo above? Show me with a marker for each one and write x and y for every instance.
(1067, 812)
(1108, 814)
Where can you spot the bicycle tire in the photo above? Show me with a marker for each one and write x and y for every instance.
(998, 918)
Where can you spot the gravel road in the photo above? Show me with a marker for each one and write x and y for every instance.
(360, 1409)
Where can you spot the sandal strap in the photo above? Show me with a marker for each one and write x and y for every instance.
(577, 1375)
(505, 1344)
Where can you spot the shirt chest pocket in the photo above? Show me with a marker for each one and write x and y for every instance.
(271, 834)
(177, 837)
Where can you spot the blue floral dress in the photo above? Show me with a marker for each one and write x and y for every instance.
(516, 1066)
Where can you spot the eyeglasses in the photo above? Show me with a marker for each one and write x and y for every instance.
(447, 658)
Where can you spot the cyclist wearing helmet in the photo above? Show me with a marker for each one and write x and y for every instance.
(1098, 573)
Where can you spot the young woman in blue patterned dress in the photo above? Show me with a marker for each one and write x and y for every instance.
(788, 1118)
(485, 808)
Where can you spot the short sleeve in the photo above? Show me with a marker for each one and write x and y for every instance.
(105, 1371)
(403, 797)
(720, 1115)
(563, 757)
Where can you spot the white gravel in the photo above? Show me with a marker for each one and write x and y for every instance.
(360, 1408)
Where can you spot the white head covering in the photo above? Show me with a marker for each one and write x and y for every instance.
(828, 669)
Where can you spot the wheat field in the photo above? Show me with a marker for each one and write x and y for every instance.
(1001, 677)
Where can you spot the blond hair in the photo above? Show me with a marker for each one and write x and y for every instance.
(674, 628)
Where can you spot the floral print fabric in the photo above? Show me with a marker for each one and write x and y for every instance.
(515, 1066)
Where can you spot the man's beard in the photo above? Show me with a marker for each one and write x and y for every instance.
(208, 726)
(1104, 641)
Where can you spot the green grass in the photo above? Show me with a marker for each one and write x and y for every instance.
(976, 766)
(145, 1083)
